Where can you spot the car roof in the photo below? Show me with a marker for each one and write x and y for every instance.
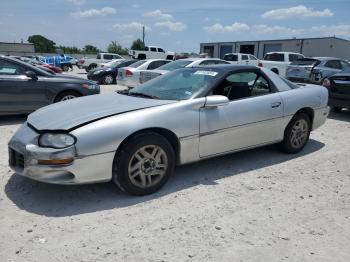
(326, 58)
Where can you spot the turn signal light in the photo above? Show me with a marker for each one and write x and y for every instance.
(55, 161)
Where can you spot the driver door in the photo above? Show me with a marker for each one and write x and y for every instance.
(252, 117)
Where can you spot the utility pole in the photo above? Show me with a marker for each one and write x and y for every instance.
(143, 35)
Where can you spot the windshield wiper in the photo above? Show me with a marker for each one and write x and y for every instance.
(142, 95)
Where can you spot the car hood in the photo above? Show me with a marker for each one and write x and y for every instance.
(70, 114)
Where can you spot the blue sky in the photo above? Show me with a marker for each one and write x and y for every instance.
(178, 25)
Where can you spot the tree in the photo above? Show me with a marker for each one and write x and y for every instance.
(90, 49)
(69, 49)
(42, 44)
(116, 48)
(138, 45)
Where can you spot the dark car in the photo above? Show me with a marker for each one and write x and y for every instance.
(108, 75)
(338, 87)
(25, 88)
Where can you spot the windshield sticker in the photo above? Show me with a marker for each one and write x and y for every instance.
(206, 73)
(188, 93)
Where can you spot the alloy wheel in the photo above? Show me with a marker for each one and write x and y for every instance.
(299, 133)
(68, 97)
(147, 166)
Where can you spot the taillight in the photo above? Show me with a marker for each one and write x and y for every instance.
(326, 83)
(260, 64)
(81, 61)
(128, 73)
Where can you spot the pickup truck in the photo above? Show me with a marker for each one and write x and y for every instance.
(91, 63)
(151, 52)
(243, 59)
(278, 62)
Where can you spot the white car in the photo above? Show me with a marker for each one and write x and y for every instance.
(130, 76)
(278, 62)
(146, 75)
(151, 52)
(242, 59)
(112, 63)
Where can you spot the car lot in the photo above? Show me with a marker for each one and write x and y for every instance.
(256, 204)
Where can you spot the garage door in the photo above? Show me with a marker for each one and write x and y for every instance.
(272, 48)
(225, 49)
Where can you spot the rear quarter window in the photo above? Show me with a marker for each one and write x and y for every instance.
(274, 57)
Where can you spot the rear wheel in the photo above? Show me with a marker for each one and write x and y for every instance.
(91, 67)
(65, 68)
(143, 164)
(141, 57)
(296, 134)
(108, 79)
(68, 95)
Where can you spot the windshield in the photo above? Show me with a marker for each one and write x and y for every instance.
(114, 63)
(137, 64)
(175, 65)
(180, 84)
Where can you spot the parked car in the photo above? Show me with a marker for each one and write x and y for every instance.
(39, 64)
(107, 75)
(151, 52)
(130, 76)
(338, 86)
(243, 59)
(25, 88)
(146, 75)
(91, 63)
(300, 70)
(136, 137)
(327, 67)
(278, 62)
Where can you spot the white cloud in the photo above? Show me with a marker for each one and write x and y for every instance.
(328, 30)
(219, 28)
(173, 26)
(158, 14)
(95, 12)
(131, 26)
(278, 30)
(296, 12)
(77, 2)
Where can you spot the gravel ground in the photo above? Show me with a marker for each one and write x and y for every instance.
(258, 205)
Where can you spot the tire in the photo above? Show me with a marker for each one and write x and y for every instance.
(65, 68)
(92, 66)
(336, 109)
(67, 95)
(296, 134)
(137, 154)
(108, 79)
(141, 57)
(275, 70)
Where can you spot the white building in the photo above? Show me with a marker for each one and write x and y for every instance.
(322, 46)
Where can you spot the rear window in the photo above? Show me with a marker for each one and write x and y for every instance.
(274, 57)
(175, 65)
(305, 61)
(137, 64)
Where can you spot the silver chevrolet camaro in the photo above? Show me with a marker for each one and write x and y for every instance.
(135, 138)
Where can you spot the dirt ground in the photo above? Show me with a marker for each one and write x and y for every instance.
(258, 205)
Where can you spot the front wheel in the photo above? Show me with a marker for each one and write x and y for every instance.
(68, 95)
(144, 164)
(108, 79)
(296, 134)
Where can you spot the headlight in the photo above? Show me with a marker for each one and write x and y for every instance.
(97, 72)
(56, 140)
(89, 86)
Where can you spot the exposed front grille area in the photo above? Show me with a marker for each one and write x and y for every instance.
(16, 159)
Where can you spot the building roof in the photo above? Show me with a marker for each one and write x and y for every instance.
(15, 43)
(279, 40)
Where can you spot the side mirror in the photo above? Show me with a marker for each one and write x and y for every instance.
(216, 100)
(31, 75)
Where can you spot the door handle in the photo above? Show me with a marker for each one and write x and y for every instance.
(276, 104)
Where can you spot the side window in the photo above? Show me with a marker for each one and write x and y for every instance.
(153, 49)
(293, 57)
(155, 64)
(243, 85)
(300, 57)
(10, 68)
(220, 62)
(335, 64)
(244, 57)
(115, 57)
(344, 64)
(161, 50)
(231, 57)
(108, 57)
(207, 62)
(98, 56)
(251, 57)
(146, 48)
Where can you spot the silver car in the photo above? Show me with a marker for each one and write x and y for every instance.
(135, 138)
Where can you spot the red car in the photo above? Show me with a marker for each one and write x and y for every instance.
(51, 67)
